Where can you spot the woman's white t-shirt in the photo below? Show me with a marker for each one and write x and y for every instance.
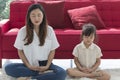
(33, 51)
(87, 56)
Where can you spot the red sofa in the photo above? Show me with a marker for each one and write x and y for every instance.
(67, 26)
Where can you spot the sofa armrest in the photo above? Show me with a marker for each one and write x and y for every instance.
(4, 26)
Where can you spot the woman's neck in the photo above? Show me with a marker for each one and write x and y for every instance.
(36, 30)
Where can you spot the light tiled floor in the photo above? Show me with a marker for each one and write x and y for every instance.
(112, 66)
(110, 63)
(67, 63)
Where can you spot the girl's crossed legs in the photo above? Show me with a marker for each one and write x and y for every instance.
(99, 75)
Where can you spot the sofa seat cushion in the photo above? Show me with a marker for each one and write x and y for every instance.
(63, 54)
(67, 38)
(8, 39)
(89, 14)
(108, 39)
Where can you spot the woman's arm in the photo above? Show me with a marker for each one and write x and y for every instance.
(23, 57)
(25, 61)
(50, 58)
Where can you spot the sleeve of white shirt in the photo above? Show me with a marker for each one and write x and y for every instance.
(99, 53)
(55, 43)
(75, 52)
(19, 40)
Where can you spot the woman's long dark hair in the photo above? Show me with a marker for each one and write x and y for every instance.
(29, 26)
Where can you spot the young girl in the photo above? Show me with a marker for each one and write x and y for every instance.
(87, 56)
(36, 43)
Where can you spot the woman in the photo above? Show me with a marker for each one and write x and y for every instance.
(36, 43)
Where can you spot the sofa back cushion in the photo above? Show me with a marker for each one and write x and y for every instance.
(108, 10)
(55, 12)
(18, 10)
(88, 14)
(73, 5)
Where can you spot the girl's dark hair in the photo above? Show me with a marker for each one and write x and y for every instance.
(29, 26)
(88, 29)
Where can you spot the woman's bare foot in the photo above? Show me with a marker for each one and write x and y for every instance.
(24, 78)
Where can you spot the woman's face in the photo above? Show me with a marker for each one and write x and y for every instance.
(36, 17)
(88, 40)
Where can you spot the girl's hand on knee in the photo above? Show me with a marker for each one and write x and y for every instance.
(98, 74)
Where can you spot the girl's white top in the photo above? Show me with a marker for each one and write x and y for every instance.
(33, 51)
(87, 56)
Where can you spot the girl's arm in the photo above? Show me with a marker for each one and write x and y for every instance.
(96, 65)
(76, 61)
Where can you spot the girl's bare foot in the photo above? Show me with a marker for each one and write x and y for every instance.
(97, 74)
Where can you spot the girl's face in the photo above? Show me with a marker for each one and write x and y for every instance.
(36, 17)
(88, 40)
